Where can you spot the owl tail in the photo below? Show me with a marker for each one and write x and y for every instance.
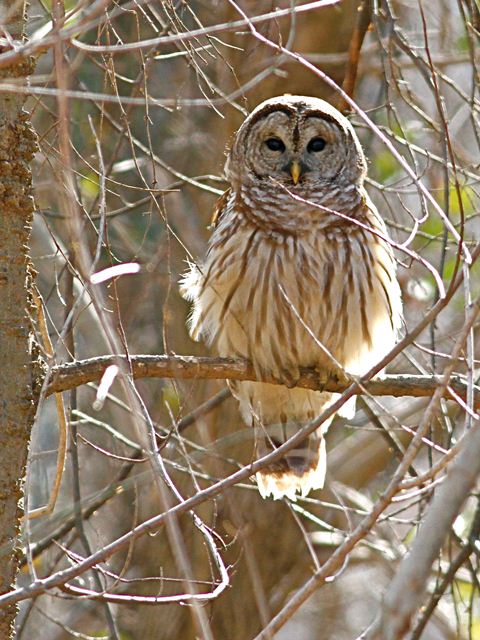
(302, 469)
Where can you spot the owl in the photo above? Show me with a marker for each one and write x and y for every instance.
(299, 272)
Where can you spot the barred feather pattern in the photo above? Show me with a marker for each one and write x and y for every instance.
(289, 282)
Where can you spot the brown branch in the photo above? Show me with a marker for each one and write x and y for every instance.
(73, 374)
(364, 16)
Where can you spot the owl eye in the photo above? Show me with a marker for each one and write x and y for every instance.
(315, 145)
(275, 144)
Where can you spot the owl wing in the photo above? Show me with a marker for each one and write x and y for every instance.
(220, 207)
(192, 282)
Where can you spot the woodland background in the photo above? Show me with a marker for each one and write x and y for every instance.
(133, 104)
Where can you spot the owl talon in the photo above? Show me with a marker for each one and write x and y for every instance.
(325, 376)
(289, 378)
(342, 378)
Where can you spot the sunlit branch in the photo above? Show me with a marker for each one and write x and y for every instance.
(73, 374)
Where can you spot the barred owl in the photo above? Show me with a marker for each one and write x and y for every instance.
(298, 273)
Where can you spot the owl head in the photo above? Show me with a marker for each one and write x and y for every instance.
(300, 142)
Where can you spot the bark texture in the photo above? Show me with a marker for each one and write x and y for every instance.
(17, 146)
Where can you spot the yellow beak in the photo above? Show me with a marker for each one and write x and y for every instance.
(295, 170)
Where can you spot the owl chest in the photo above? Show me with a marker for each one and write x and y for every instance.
(289, 301)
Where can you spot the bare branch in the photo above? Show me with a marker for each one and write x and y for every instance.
(68, 34)
(406, 591)
(73, 374)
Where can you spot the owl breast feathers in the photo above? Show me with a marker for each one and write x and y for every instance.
(298, 273)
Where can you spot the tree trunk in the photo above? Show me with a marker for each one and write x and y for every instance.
(17, 146)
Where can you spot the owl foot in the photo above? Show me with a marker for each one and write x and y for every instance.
(288, 377)
(332, 375)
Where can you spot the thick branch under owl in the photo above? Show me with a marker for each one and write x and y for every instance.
(74, 374)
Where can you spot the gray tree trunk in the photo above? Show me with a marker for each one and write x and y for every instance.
(17, 146)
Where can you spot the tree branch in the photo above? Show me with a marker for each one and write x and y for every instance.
(364, 16)
(73, 374)
(405, 594)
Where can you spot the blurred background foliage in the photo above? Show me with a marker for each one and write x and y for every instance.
(148, 128)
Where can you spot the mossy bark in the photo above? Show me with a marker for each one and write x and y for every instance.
(17, 406)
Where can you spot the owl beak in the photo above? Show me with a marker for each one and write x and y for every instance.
(295, 171)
